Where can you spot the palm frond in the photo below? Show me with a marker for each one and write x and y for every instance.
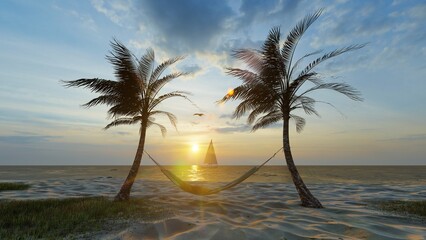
(329, 55)
(163, 66)
(268, 119)
(298, 82)
(181, 94)
(145, 65)
(256, 112)
(123, 121)
(241, 91)
(331, 105)
(260, 109)
(305, 103)
(253, 58)
(242, 108)
(162, 128)
(94, 84)
(103, 99)
(342, 88)
(237, 92)
(295, 35)
(245, 75)
(124, 109)
(171, 116)
(294, 67)
(300, 122)
(273, 71)
(123, 61)
(155, 86)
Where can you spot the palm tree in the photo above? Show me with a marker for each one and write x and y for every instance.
(271, 90)
(133, 98)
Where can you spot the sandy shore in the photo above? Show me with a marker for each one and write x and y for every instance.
(249, 211)
(272, 211)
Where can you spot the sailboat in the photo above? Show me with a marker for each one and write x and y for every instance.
(210, 159)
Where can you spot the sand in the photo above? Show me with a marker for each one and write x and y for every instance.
(272, 211)
(252, 210)
(249, 211)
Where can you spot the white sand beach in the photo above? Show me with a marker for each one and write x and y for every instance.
(252, 210)
(272, 211)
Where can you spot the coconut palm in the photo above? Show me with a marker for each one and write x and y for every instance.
(274, 87)
(134, 97)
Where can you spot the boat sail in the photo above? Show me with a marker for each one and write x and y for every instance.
(210, 159)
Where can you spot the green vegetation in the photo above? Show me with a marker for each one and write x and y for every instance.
(8, 186)
(57, 218)
(405, 207)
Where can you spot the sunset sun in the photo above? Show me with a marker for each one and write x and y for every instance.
(195, 148)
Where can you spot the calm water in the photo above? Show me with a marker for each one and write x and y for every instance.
(393, 175)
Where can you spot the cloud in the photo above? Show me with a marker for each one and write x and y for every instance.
(418, 11)
(233, 129)
(86, 20)
(185, 26)
(225, 116)
(395, 33)
(193, 68)
(409, 138)
(238, 127)
(255, 11)
(118, 11)
(362, 130)
(26, 139)
(122, 133)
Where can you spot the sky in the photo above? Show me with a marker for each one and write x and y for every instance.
(43, 42)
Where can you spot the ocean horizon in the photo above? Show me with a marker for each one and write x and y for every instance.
(397, 174)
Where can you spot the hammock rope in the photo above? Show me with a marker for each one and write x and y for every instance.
(201, 190)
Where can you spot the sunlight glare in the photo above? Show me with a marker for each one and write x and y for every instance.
(195, 148)
(195, 174)
(230, 92)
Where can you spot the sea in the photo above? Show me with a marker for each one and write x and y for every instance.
(71, 181)
(310, 174)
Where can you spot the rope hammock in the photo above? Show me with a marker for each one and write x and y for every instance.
(201, 190)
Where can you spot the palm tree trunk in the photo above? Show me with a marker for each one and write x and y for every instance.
(308, 200)
(124, 193)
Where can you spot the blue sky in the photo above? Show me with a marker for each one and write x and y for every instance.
(45, 41)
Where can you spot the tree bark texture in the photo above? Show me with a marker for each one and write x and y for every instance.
(124, 193)
(306, 197)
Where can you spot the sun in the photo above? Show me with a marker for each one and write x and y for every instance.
(195, 147)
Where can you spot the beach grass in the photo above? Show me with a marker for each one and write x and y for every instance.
(403, 207)
(57, 218)
(9, 186)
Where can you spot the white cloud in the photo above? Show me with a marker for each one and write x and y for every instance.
(116, 10)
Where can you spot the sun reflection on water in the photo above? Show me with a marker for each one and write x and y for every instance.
(195, 174)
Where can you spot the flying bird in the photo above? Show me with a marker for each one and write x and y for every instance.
(199, 114)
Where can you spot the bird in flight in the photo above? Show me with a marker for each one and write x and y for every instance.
(199, 114)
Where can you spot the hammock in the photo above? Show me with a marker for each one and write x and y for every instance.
(201, 190)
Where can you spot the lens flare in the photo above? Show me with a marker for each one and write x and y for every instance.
(230, 92)
(195, 147)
